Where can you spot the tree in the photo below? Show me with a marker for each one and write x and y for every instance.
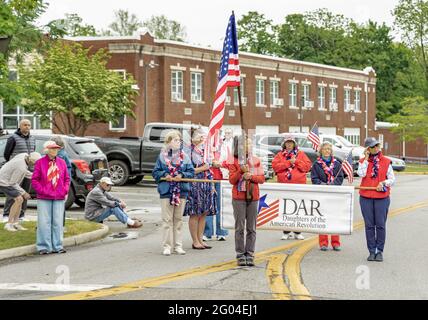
(77, 88)
(72, 25)
(163, 28)
(411, 19)
(125, 24)
(17, 22)
(413, 119)
(256, 34)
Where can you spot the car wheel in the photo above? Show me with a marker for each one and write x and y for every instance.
(70, 199)
(80, 202)
(119, 172)
(134, 180)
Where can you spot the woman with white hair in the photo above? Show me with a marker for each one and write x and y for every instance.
(51, 182)
(201, 201)
(172, 165)
(327, 170)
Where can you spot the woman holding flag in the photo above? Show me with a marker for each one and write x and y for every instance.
(202, 196)
(291, 166)
(327, 170)
(172, 165)
(245, 174)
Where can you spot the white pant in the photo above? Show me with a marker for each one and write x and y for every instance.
(172, 218)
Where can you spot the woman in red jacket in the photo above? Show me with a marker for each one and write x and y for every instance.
(245, 176)
(291, 166)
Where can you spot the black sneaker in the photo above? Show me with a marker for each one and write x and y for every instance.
(371, 257)
(242, 261)
(250, 261)
(43, 252)
(379, 257)
(60, 251)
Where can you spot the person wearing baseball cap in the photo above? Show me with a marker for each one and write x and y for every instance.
(101, 204)
(51, 183)
(291, 166)
(376, 172)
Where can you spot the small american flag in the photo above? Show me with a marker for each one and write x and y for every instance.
(268, 213)
(229, 76)
(348, 167)
(314, 137)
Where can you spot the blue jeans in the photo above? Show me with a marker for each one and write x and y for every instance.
(116, 211)
(50, 231)
(375, 212)
(209, 227)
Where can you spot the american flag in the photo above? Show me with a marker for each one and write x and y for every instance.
(314, 137)
(229, 76)
(267, 212)
(348, 167)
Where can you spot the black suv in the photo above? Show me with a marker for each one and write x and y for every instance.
(89, 164)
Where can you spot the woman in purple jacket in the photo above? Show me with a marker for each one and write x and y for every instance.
(51, 182)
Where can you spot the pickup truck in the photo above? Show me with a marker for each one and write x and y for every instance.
(130, 158)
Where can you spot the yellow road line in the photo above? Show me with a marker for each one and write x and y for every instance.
(275, 273)
(292, 265)
(157, 281)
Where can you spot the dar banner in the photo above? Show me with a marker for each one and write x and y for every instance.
(297, 207)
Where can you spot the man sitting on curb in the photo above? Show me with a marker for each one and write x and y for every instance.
(11, 176)
(100, 205)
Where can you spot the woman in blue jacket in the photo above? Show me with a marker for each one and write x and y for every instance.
(327, 170)
(173, 165)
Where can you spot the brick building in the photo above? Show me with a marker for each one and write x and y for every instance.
(182, 79)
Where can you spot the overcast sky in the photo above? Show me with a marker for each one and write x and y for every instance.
(206, 21)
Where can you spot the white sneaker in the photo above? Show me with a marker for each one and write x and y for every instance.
(9, 227)
(166, 252)
(284, 236)
(221, 238)
(299, 237)
(205, 238)
(5, 219)
(179, 251)
(18, 227)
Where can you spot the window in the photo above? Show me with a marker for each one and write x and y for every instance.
(321, 98)
(352, 135)
(347, 100)
(176, 85)
(306, 94)
(121, 124)
(235, 93)
(333, 99)
(274, 92)
(357, 100)
(260, 92)
(292, 94)
(196, 87)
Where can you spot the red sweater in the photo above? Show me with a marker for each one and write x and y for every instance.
(235, 174)
(298, 174)
(367, 181)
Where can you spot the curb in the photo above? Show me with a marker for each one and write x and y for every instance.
(411, 173)
(68, 242)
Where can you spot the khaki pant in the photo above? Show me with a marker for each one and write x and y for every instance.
(172, 218)
(245, 214)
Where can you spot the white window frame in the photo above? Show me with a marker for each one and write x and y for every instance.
(332, 98)
(346, 99)
(274, 92)
(292, 94)
(357, 100)
(353, 135)
(321, 98)
(196, 85)
(260, 93)
(176, 85)
(306, 94)
(235, 93)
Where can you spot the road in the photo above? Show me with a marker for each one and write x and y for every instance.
(123, 268)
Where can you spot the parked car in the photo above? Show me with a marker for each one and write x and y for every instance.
(88, 161)
(130, 158)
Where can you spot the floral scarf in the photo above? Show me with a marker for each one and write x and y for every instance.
(174, 170)
(376, 165)
(328, 170)
(288, 155)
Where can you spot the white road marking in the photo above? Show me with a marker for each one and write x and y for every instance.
(51, 287)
